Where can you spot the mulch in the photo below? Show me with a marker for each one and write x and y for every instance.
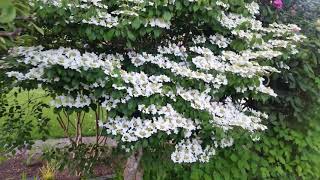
(15, 167)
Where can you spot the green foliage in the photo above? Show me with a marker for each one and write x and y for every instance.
(8, 11)
(16, 131)
(290, 148)
(15, 20)
(19, 119)
(78, 159)
(17, 123)
(132, 31)
(282, 153)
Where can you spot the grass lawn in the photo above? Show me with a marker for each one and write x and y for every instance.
(54, 127)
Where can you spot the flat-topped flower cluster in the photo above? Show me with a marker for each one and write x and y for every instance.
(179, 87)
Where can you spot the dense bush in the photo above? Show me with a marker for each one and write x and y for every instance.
(289, 149)
(180, 77)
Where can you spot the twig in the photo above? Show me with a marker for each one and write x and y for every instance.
(24, 18)
(11, 34)
(68, 118)
(65, 130)
(78, 128)
(97, 112)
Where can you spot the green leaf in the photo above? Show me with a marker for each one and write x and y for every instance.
(5, 3)
(131, 36)
(40, 30)
(207, 177)
(2, 40)
(167, 16)
(136, 23)
(195, 174)
(108, 35)
(233, 157)
(8, 13)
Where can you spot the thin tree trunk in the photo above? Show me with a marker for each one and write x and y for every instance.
(78, 129)
(131, 171)
(97, 112)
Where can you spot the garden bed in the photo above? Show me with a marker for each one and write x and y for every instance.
(16, 168)
(28, 163)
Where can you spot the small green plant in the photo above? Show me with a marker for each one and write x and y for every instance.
(23, 176)
(19, 120)
(48, 171)
(78, 159)
(2, 159)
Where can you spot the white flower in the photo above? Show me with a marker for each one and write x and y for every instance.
(226, 142)
(190, 151)
(223, 5)
(71, 102)
(219, 40)
(157, 22)
(253, 8)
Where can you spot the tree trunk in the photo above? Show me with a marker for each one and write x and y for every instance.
(132, 171)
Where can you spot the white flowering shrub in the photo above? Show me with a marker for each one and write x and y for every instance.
(180, 72)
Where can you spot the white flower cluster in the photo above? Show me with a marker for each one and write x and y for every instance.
(111, 103)
(280, 29)
(267, 90)
(284, 44)
(96, 3)
(226, 142)
(253, 8)
(219, 40)
(68, 101)
(177, 68)
(175, 49)
(190, 151)
(224, 114)
(242, 64)
(106, 18)
(33, 74)
(199, 39)
(171, 120)
(228, 115)
(225, 6)
(231, 20)
(102, 19)
(247, 35)
(57, 3)
(158, 22)
(229, 61)
(67, 58)
(142, 84)
(168, 121)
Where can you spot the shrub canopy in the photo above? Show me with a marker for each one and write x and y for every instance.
(180, 72)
